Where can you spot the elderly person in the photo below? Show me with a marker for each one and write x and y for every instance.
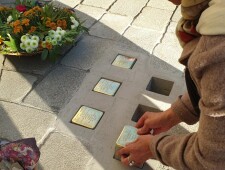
(201, 32)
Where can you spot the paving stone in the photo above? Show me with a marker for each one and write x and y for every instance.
(92, 49)
(152, 18)
(15, 85)
(177, 15)
(88, 14)
(56, 89)
(130, 9)
(62, 152)
(99, 3)
(28, 64)
(23, 122)
(67, 3)
(169, 50)
(111, 26)
(1, 61)
(146, 39)
(163, 4)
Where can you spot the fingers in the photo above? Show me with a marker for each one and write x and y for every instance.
(144, 130)
(141, 122)
(123, 151)
(124, 159)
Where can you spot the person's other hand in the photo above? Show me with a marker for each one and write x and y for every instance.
(137, 151)
(158, 121)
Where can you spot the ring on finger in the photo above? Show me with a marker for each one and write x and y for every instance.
(131, 163)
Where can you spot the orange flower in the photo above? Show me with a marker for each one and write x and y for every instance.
(48, 23)
(37, 8)
(25, 22)
(32, 29)
(53, 26)
(18, 29)
(1, 41)
(59, 23)
(16, 23)
(48, 45)
(64, 24)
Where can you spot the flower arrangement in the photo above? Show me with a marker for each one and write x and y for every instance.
(32, 27)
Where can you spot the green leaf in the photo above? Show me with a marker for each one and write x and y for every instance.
(44, 54)
(11, 43)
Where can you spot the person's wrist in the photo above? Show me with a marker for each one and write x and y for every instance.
(172, 117)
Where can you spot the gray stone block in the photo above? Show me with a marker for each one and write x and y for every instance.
(146, 39)
(91, 50)
(111, 26)
(56, 89)
(99, 3)
(2, 58)
(62, 152)
(152, 18)
(177, 15)
(15, 85)
(89, 15)
(163, 4)
(67, 3)
(23, 122)
(132, 8)
(31, 64)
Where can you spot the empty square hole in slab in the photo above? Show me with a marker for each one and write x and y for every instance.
(141, 109)
(106, 86)
(124, 61)
(87, 117)
(160, 86)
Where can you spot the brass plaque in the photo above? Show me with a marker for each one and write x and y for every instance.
(128, 134)
(124, 61)
(87, 117)
(107, 87)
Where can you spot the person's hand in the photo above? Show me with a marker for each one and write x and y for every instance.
(137, 152)
(158, 121)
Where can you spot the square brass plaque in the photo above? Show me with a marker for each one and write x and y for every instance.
(128, 134)
(107, 87)
(124, 61)
(87, 117)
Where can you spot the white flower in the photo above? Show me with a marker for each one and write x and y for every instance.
(34, 44)
(24, 38)
(59, 32)
(35, 37)
(9, 19)
(48, 39)
(72, 19)
(28, 43)
(73, 27)
(63, 32)
(58, 37)
(54, 42)
(43, 44)
(58, 29)
(29, 49)
(76, 23)
(51, 33)
(22, 46)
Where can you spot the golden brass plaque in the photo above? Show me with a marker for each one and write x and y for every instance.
(107, 87)
(124, 61)
(87, 117)
(128, 134)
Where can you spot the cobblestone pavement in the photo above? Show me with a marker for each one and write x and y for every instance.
(39, 99)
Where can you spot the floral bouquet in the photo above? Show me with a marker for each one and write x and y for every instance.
(32, 28)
